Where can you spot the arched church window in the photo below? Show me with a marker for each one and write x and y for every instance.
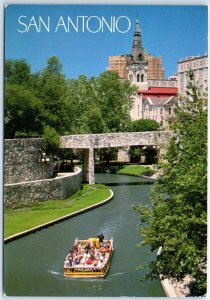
(140, 56)
(142, 77)
(138, 78)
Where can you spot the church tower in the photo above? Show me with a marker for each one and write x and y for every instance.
(137, 69)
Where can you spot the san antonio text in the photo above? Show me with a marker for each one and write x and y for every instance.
(92, 24)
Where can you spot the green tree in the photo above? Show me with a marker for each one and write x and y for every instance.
(100, 104)
(83, 112)
(50, 87)
(17, 71)
(177, 217)
(23, 112)
(51, 140)
(114, 99)
(35, 103)
(144, 125)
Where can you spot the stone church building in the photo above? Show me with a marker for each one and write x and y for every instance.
(156, 97)
(156, 103)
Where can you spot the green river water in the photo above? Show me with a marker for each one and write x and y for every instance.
(33, 265)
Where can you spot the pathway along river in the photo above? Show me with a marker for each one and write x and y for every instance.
(33, 265)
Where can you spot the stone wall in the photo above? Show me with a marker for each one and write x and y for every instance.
(60, 187)
(123, 155)
(22, 161)
(124, 139)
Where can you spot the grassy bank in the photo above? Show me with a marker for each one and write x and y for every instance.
(24, 218)
(136, 170)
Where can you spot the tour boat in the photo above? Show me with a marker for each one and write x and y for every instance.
(88, 263)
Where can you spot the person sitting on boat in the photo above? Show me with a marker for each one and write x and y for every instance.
(89, 261)
(67, 264)
(84, 258)
(80, 248)
(106, 248)
(87, 247)
(75, 247)
(101, 262)
(77, 259)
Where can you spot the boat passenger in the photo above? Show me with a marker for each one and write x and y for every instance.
(76, 261)
(102, 241)
(87, 247)
(89, 261)
(107, 248)
(83, 259)
(101, 237)
(67, 264)
(95, 262)
(70, 255)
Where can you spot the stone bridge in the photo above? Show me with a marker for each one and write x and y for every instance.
(88, 142)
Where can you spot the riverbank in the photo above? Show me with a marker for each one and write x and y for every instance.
(178, 289)
(137, 170)
(21, 220)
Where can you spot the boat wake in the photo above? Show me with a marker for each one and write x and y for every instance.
(112, 226)
(117, 274)
(55, 273)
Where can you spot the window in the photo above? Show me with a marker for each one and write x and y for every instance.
(142, 78)
(169, 110)
(140, 56)
(138, 78)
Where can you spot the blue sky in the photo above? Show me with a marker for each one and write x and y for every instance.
(172, 32)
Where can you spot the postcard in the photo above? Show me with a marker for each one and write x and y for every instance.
(92, 96)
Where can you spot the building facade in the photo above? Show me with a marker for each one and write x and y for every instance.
(199, 66)
(156, 97)
(158, 104)
(155, 68)
(171, 82)
(119, 63)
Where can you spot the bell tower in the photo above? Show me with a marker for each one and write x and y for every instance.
(137, 69)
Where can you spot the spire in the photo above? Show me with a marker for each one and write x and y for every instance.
(137, 24)
(137, 48)
(137, 68)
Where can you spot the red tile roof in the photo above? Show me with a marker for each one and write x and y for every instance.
(159, 91)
